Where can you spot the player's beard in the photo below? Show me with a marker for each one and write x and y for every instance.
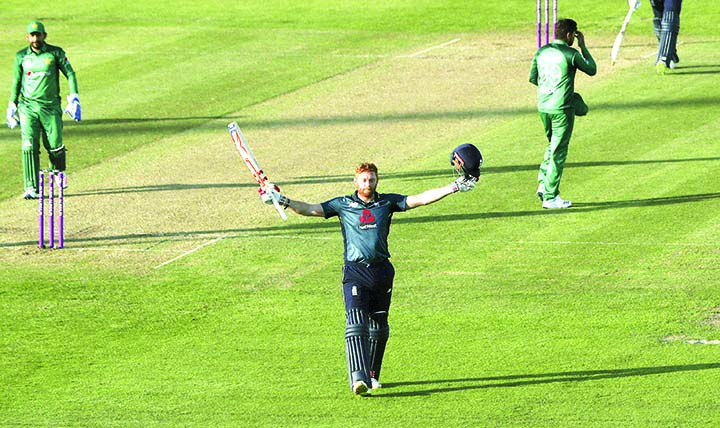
(366, 192)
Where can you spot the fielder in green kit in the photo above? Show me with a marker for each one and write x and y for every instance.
(553, 72)
(35, 104)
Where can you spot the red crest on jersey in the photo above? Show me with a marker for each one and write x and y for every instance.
(367, 217)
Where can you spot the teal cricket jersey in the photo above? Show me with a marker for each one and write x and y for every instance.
(553, 71)
(36, 76)
(365, 226)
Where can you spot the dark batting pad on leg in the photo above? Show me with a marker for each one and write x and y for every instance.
(379, 334)
(670, 27)
(357, 346)
(57, 158)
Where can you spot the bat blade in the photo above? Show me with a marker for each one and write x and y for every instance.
(251, 162)
(619, 38)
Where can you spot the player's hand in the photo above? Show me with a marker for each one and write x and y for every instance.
(463, 184)
(11, 115)
(73, 107)
(271, 193)
(580, 39)
(267, 192)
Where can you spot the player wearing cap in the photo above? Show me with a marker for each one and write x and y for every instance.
(36, 104)
(553, 72)
(368, 275)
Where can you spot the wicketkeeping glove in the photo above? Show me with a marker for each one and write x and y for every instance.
(11, 115)
(73, 107)
(464, 184)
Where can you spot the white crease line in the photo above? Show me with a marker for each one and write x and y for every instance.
(199, 247)
(303, 238)
(702, 342)
(442, 45)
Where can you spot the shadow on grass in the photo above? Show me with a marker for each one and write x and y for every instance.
(592, 206)
(107, 126)
(512, 381)
(317, 227)
(696, 69)
(320, 179)
(130, 120)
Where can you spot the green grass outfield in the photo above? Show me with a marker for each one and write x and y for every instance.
(182, 301)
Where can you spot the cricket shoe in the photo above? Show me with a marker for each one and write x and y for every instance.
(674, 60)
(30, 194)
(661, 68)
(556, 203)
(360, 388)
(374, 384)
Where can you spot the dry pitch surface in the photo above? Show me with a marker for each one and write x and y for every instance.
(167, 200)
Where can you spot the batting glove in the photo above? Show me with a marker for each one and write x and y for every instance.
(463, 184)
(73, 107)
(11, 115)
(271, 192)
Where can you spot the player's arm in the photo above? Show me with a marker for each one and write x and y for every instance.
(73, 108)
(11, 116)
(299, 207)
(306, 209)
(462, 184)
(586, 62)
(67, 70)
(17, 80)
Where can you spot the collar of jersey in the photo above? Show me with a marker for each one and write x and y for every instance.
(357, 199)
(42, 50)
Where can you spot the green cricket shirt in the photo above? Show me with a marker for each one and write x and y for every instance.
(365, 226)
(553, 71)
(36, 76)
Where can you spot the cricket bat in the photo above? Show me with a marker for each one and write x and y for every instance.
(633, 6)
(249, 158)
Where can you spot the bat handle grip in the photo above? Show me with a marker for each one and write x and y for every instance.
(278, 208)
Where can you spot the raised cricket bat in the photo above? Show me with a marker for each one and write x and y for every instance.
(244, 149)
(633, 6)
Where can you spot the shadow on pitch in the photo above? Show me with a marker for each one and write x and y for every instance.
(316, 227)
(414, 175)
(89, 242)
(105, 126)
(591, 206)
(121, 126)
(131, 120)
(578, 207)
(512, 381)
(309, 179)
(696, 72)
(695, 69)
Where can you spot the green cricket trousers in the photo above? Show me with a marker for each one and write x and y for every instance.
(558, 129)
(38, 121)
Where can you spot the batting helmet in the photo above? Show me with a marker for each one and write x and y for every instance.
(467, 157)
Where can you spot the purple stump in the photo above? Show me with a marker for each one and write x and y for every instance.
(51, 195)
(61, 209)
(539, 24)
(555, 18)
(547, 21)
(41, 210)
